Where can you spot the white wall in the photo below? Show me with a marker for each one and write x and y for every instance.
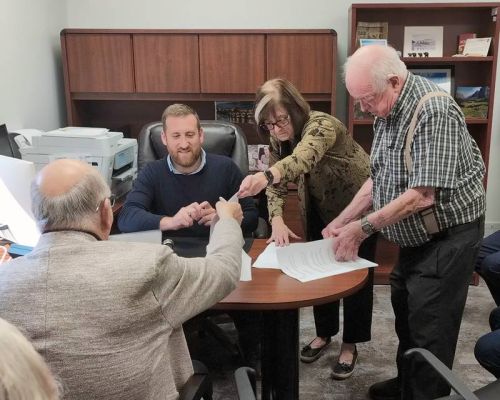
(31, 88)
(33, 72)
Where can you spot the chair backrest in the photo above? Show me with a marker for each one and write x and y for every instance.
(221, 137)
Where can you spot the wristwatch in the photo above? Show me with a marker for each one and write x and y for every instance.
(269, 176)
(367, 226)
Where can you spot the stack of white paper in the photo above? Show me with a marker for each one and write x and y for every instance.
(308, 261)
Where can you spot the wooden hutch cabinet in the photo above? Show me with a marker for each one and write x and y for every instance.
(456, 19)
(122, 79)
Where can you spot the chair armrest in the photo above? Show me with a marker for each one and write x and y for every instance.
(198, 385)
(245, 383)
(457, 385)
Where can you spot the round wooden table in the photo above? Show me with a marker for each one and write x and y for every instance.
(280, 297)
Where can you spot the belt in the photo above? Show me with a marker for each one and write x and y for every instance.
(457, 229)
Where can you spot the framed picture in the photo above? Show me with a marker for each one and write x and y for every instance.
(473, 100)
(367, 42)
(424, 40)
(443, 77)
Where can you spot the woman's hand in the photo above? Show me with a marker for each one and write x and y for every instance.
(281, 233)
(252, 184)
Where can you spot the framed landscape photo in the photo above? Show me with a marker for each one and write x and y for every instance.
(443, 77)
(473, 100)
(424, 40)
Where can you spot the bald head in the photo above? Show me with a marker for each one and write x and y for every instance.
(60, 176)
(68, 194)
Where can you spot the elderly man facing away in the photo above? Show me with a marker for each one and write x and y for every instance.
(107, 316)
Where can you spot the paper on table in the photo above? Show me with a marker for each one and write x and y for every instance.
(21, 225)
(314, 260)
(268, 258)
(246, 267)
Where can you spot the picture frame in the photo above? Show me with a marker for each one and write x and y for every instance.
(441, 76)
(423, 39)
(368, 42)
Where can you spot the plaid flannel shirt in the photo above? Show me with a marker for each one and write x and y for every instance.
(444, 155)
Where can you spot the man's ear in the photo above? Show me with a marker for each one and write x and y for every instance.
(395, 81)
(164, 138)
(202, 135)
(106, 219)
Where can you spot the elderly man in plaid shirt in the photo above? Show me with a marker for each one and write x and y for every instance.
(426, 194)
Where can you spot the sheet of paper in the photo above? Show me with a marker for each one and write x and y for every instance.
(21, 225)
(246, 267)
(268, 258)
(314, 260)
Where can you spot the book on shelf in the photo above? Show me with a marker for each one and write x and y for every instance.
(258, 157)
(461, 41)
(371, 30)
(473, 100)
(236, 112)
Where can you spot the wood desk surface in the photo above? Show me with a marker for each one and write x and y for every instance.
(271, 289)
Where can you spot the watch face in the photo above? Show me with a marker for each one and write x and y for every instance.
(367, 228)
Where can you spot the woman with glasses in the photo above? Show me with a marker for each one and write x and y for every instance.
(314, 150)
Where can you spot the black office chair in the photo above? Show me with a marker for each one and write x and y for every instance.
(199, 385)
(245, 383)
(221, 137)
(488, 392)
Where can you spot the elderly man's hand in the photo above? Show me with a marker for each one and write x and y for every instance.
(226, 209)
(347, 241)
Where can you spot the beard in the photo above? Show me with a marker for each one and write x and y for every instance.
(186, 159)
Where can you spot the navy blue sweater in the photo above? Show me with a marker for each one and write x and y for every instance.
(158, 192)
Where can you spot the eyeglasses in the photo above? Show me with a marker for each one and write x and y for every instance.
(280, 123)
(367, 100)
(112, 200)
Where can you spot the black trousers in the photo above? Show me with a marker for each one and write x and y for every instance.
(357, 308)
(429, 287)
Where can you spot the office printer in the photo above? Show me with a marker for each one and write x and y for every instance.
(114, 156)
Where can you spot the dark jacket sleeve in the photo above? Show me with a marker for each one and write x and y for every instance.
(134, 215)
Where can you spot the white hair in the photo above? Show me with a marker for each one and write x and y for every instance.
(24, 375)
(387, 64)
(74, 209)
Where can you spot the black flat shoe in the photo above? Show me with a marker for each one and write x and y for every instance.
(308, 354)
(343, 370)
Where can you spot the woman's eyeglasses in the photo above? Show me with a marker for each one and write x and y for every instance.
(112, 200)
(280, 123)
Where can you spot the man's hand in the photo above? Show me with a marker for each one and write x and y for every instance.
(281, 234)
(347, 241)
(227, 209)
(184, 218)
(329, 230)
(252, 184)
(207, 213)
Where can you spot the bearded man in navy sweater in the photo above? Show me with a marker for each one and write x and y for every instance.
(177, 194)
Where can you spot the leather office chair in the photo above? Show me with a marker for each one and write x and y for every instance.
(488, 392)
(221, 138)
(245, 383)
